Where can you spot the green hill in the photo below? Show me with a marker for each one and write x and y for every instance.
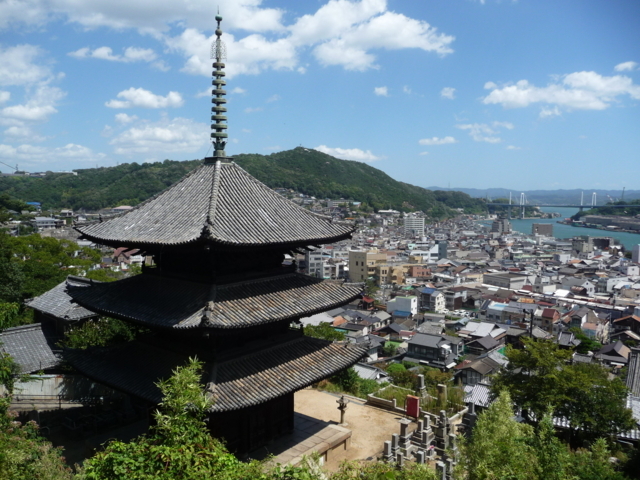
(304, 170)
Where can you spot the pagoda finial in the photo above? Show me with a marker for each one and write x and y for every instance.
(218, 119)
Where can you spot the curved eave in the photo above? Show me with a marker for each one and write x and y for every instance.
(214, 240)
(239, 382)
(179, 304)
(351, 294)
(263, 383)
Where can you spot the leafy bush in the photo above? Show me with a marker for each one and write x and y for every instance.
(100, 333)
(325, 331)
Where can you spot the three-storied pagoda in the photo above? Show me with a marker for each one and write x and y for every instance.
(218, 290)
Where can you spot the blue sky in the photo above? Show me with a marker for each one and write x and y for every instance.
(527, 94)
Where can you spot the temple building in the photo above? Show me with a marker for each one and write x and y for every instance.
(216, 287)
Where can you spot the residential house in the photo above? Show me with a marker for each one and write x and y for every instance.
(482, 345)
(478, 370)
(614, 355)
(369, 372)
(630, 322)
(403, 304)
(440, 351)
(432, 299)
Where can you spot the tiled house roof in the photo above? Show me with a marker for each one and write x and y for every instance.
(29, 347)
(221, 203)
(57, 303)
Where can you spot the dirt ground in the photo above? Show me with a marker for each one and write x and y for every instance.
(370, 426)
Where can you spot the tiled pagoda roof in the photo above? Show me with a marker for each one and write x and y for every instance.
(248, 377)
(217, 202)
(175, 303)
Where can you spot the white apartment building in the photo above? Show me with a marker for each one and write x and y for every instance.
(403, 304)
(414, 226)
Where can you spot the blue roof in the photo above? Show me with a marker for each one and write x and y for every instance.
(400, 313)
(428, 290)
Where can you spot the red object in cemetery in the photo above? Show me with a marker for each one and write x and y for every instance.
(412, 406)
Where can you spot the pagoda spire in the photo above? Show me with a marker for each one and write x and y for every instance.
(218, 110)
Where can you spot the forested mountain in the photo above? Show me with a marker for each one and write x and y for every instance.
(304, 170)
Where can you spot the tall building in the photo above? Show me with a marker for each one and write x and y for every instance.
(442, 249)
(362, 264)
(545, 229)
(413, 226)
(635, 254)
(218, 290)
(501, 225)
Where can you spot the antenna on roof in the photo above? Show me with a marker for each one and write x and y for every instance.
(218, 127)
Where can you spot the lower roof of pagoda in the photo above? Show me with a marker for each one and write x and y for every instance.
(166, 302)
(249, 376)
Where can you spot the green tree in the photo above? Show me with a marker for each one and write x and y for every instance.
(325, 331)
(594, 464)
(348, 381)
(587, 344)
(499, 447)
(535, 376)
(390, 349)
(8, 314)
(100, 333)
(538, 377)
(179, 444)
(24, 455)
(598, 405)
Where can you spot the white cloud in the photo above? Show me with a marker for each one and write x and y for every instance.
(341, 32)
(437, 141)
(39, 106)
(407, 90)
(148, 16)
(204, 93)
(252, 110)
(33, 155)
(273, 98)
(348, 153)
(546, 112)
(139, 97)
(381, 91)
(123, 118)
(246, 130)
(23, 132)
(238, 90)
(490, 85)
(250, 55)
(165, 136)
(424, 153)
(4, 96)
(482, 132)
(448, 92)
(579, 90)
(626, 67)
(131, 54)
(17, 66)
(512, 147)
(389, 31)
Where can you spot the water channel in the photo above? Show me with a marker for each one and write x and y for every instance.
(567, 231)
